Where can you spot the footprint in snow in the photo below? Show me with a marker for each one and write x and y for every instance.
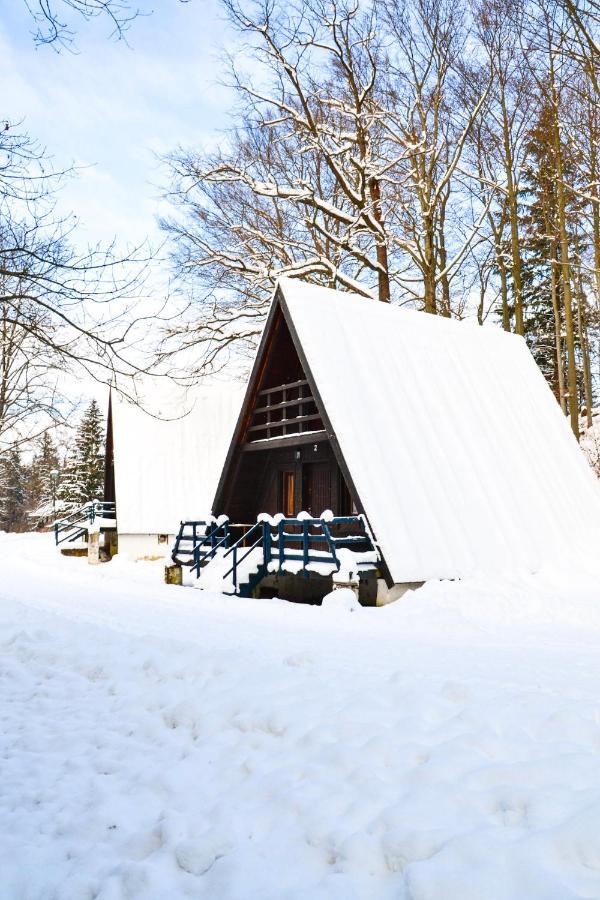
(299, 660)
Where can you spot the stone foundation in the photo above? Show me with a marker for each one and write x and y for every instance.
(173, 575)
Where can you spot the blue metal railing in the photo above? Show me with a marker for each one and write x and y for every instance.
(259, 529)
(199, 540)
(313, 540)
(205, 551)
(76, 524)
(310, 540)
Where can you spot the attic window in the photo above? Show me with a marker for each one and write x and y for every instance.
(283, 410)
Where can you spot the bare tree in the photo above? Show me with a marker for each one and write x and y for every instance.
(63, 305)
(425, 61)
(582, 36)
(330, 174)
(301, 187)
(30, 398)
(507, 116)
(382, 148)
(53, 18)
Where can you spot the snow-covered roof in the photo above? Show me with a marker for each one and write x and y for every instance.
(169, 452)
(456, 446)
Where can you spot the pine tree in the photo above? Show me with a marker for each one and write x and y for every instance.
(12, 491)
(90, 455)
(68, 495)
(44, 479)
(543, 296)
(83, 479)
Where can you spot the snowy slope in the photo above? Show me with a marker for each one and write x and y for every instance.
(457, 448)
(162, 743)
(169, 452)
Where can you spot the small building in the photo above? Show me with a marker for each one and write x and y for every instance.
(164, 457)
(443, 435)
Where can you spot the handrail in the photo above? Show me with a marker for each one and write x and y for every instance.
(329, 539)
(87, 513)
(104, 509)
(198, 559)
(274, 539)
(203, 533)
(234, 549)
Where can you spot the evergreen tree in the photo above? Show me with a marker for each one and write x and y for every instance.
(542, 285)
(68, 492)
(83, 476)
(43, 484)
(13, 481)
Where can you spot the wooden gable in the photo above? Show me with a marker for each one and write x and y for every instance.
(282, 426)
(282, 402)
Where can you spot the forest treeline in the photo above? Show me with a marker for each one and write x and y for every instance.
(59, 474)
(434, 153)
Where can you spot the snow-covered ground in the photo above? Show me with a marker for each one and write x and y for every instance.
(161, 743)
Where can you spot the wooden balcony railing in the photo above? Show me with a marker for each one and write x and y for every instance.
(283, 410)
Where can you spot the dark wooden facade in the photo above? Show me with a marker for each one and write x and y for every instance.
(109, 458)
(287, 480)
(283, 458)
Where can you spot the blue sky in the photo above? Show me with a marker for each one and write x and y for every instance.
(111, 108)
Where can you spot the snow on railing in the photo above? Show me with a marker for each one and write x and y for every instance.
(78, 522)
(301, 543)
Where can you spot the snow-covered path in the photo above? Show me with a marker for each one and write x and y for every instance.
(160, 742)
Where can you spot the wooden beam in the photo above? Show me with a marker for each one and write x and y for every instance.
(285, 422)
(281, 387)
(297, 402)
(290, 440)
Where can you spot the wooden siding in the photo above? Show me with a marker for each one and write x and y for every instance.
(255, 486)
(109, 458)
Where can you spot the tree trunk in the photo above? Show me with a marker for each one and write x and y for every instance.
(429, 269)
(381, 249)
(513, 216)
(504, 292)
(585, 353)
(565, 264)
(560, 371)
(445, 309)
(594, 174)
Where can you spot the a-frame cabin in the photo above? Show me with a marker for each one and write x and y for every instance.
(284, 459)
(443, 435)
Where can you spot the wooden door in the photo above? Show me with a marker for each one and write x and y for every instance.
(317, 484)
(287, 492)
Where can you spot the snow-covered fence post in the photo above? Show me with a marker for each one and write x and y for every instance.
(267, 542)
(93, 545)
(280, 544)
(305, 548)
